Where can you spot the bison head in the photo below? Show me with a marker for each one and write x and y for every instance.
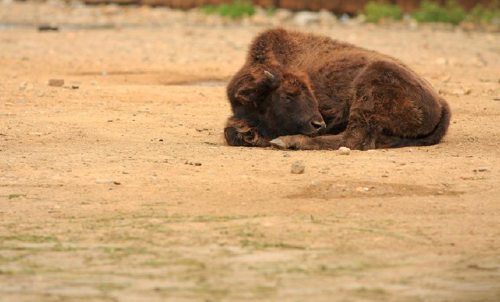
(269, 104)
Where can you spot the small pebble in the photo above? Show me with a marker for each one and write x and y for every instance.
(298, 167)
(482, 170)
(344, 151)
(56, 82)
(286, 154)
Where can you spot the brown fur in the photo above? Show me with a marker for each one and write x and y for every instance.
(367, 99)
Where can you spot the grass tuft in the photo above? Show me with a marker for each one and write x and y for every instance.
(235, 10)
(430, 12)
(481, 14)
(375, 12)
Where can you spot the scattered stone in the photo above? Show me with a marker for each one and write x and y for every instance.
(306, 18)
(298, 167)
(344, 18)
(286, 154)
(56, 82)
(197, 164)
(260, 16)
(344, 151)
(482, 170)
(326, 17)
(23, 86)
(93, 83)
(75, 86)
(35, 133)
(110, 121)
(117, 183)
(283, 15)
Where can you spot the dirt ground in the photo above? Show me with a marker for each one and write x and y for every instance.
(123, 189)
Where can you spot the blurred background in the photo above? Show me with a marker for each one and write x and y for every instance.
(470, 14)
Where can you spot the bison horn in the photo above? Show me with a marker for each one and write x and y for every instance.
(271, 77)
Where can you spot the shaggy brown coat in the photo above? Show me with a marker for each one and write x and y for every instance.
(304, 91)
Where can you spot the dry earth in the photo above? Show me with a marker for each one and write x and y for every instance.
(123, 189)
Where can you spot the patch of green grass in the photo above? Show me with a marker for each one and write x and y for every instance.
(110, 287)
(119, 253)
(481, 14)
(12, 196)
(267, 245)
(237, 9)
(374, 12)
(430, 12)
(6, 273)
(221, 218)
(29, 238)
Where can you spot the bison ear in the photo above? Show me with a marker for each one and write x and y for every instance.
(245, 95)
(258, 88)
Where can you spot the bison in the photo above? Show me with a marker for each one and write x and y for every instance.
(309, 92)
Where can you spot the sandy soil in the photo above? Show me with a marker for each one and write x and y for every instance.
(123, 189)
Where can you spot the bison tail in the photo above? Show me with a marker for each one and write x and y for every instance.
(431, 139)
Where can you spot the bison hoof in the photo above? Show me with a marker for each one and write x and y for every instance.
(278, 143)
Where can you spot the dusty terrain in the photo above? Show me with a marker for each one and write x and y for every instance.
(123, 189)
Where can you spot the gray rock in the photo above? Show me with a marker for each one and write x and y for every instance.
(327, 17)
(344, 151)
(298, 167)
(283, 15)
(306, 18)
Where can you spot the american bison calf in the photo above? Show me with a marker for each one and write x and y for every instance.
(303, 91)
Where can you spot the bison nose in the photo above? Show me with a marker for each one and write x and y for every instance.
(318, 125)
